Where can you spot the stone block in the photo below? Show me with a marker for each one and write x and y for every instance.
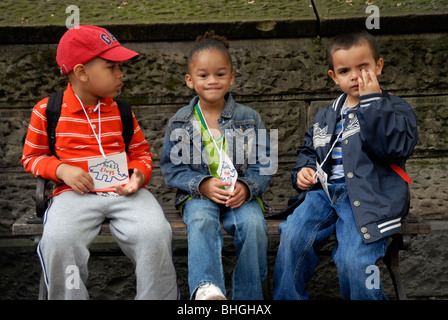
(424, 268)
(429, 198)
(275, 69)
(394, 16)
(432, 119)
(147, 20)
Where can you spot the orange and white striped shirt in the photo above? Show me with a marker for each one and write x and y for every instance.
(76, 142)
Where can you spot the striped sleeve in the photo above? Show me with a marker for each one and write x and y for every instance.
(139, 153)
(36, 158)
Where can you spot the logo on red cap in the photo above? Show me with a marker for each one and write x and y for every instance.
(107, 37)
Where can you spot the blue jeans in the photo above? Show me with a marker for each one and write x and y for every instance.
(248, 227)
(304, 233)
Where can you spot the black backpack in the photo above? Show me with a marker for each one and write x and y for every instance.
(54, 111)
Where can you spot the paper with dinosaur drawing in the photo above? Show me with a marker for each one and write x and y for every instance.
(109, 172)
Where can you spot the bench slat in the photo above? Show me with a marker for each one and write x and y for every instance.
(30, 225)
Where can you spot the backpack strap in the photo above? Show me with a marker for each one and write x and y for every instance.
(53, 112)
(401, 172)
(127, 121)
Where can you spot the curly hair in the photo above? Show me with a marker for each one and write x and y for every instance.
(210, 40)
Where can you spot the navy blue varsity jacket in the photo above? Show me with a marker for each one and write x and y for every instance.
(380, 131)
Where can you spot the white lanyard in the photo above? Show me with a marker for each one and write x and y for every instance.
(321, 174)
(97, 137)
(332, 147)
(337, 138)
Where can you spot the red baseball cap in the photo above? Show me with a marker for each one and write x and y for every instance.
(82, 44)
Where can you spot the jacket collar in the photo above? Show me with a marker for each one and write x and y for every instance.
(339, 102)
(229, 108)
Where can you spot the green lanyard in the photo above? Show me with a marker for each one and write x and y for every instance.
(210, 144)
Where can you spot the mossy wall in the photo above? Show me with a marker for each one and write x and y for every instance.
(279, 54)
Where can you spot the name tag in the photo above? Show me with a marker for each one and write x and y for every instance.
(227, 171)
(109, 172)
(322, 176)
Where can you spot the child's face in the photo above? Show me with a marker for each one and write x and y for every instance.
(103, 78)
(348, 65)
(211, 76)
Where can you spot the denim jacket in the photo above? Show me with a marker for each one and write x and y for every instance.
(381, 131)
(184, 163)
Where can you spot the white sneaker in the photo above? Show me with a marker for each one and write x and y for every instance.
(209, 292)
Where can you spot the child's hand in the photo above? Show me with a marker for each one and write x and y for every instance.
(238, 195)
(368, 83)
(211, 188)
(306, 178)
(75, 177)
(135, 182)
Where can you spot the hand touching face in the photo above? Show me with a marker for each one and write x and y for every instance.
(368, 83)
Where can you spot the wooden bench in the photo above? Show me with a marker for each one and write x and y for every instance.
(29, 225)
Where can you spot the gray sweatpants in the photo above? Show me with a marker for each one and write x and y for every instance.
(137, 223)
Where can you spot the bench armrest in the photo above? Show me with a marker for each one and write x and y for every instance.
(41, 197)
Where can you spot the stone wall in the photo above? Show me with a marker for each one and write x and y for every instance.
(280, 63)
